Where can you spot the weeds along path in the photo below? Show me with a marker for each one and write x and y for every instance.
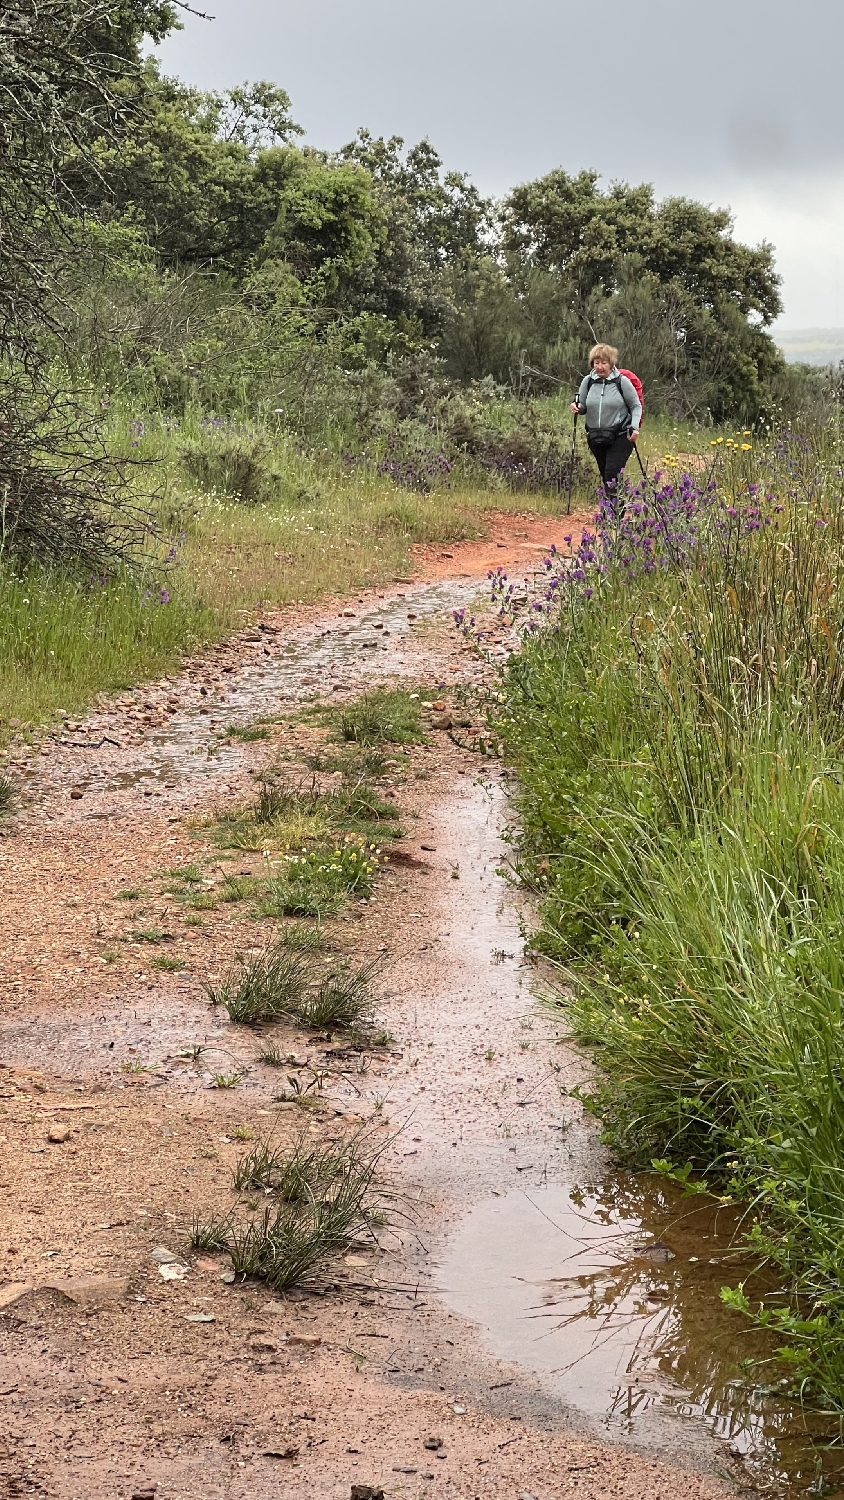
(131, 1364)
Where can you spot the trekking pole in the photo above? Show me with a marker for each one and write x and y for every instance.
(571, 464)
(641, 465)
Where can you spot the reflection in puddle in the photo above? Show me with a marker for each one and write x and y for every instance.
(612, 1296)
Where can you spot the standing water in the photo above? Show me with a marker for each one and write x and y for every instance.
(612, 1296)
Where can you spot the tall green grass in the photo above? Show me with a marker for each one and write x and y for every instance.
(679, 741)
(64, 638)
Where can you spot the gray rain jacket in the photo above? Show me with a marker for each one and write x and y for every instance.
(604, 403)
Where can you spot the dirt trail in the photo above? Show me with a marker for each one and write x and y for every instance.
(115, 1381)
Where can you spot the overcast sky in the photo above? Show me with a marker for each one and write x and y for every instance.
(735, 102)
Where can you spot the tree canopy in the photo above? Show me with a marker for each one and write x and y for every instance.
(379, 238)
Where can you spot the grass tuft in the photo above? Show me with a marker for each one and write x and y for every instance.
(386, 715)
(261, 987)
(323, 1198)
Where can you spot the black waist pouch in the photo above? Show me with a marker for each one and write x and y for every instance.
(604, 437)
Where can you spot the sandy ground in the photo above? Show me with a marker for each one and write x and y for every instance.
(514, 542)
(117, 1382)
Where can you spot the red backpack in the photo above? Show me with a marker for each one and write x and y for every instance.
(637, 386)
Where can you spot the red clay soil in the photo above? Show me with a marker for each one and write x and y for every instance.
(513, 541)
(133, 1365)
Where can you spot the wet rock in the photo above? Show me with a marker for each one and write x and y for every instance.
(287, 1452)
(12, 1293)
(367, 1492)
(76, 792)
(58, 1134)
(304, 1340)
(443, 721)
(264, 1346)
(145, 1490)
(93, 1291)
(433, 1443)
(656, 1254)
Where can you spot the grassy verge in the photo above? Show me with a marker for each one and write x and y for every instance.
(677, 724)
(245, 519)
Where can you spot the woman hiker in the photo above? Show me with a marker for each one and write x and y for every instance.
(613, 412)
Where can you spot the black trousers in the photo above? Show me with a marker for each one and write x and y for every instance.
(611, 460)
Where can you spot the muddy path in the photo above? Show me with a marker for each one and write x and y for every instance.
(117, 1379)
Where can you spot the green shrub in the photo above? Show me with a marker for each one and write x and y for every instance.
(233, 463)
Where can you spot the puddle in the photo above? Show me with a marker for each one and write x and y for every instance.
(611, 1296)
(368, 645)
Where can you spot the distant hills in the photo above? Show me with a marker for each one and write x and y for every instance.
(811, 346)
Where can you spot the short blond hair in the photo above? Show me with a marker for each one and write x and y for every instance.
(603, 351)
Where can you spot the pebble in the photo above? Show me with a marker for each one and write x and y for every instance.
(173, 1271)
(201, 1318)
(76, 792)
(433, 1443)
(163, 1256)
(305, 1340)
(58, 1134)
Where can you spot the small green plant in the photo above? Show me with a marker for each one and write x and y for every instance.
(7, 795)
(204, 901)
(273, 1057)
(191, 919)
(190, 874)
(110, 957)
(261, 987)
(132, 1066)
(237, 888)
(226, 1080)
(341, 1001)
(166, 963)
(303, 937)
(149, 935)
(385, 714)
(128, 895)
(316, 882)
(247, 732)
(323, 1199)
(241, 1133)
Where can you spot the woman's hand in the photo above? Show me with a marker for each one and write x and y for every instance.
(632, 437)
(575, 408)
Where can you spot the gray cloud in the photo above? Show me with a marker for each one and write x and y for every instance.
(711, 101)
